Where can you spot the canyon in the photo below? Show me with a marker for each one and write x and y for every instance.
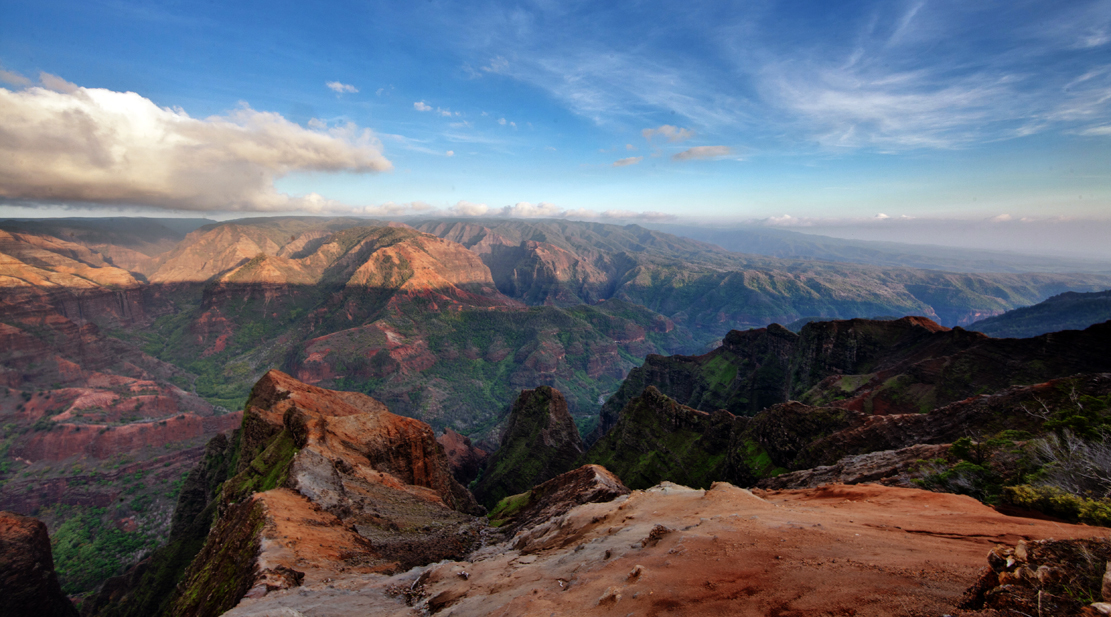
(129, 344)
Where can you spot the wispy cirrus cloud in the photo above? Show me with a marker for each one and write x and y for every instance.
(884, 76)
(702, 152)
(65, 143)
(632, 160)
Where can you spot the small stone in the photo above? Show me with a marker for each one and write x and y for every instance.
(610, 596)
(1047, 575)
(1020, 551)
(1103, 608)
(997, 559)
(1106, 591)
(636, 572)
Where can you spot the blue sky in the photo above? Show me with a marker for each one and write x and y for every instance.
(790, 113)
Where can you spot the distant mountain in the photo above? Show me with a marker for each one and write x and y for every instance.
(131, 243)
(1068, 311)
(787, 244)
(711, 290)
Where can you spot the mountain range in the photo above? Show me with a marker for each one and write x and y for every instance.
(129, 343)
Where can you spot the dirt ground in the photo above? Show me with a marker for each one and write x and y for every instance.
(835, 550)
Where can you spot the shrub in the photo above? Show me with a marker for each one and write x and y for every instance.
(1062, 504)
(1075, 465)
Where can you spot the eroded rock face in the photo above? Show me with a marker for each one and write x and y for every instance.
(551, 499)
(327, 482)
(465, 459)
(540, 441)
(658, 439)
(28, 585)
(889, 467)
(904, 366)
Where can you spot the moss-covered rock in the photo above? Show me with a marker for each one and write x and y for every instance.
(540, 441)
(658, 439)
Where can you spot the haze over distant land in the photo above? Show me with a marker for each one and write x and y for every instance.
(907, 122)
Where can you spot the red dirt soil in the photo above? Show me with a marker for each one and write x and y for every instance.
(835, 550)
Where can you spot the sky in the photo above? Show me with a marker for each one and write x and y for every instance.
(847, 118)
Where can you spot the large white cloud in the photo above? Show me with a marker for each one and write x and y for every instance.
(64, 143)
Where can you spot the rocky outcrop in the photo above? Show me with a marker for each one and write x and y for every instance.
(658, 439)
(745, 374)
(794, 445)
(539, 442)
(1044, 577)
(28, 584)
(554, 498)
(466, 460)
(904, 366)
(325, 482)
(887, 467)
(837, 550)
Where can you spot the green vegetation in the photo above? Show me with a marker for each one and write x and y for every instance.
(1062, 504)
(89, 548)
(266, 471)
(1067, 311)
(507, 508)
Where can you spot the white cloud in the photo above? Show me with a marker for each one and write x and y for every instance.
(13, 78)
(524, 209)
(501, 121)
(390, 208)
(1002, 218)
(702, 152)
(1097, 131)
(497, 65)
(881, 216)
(57, 84)
(340, 88)
(450, 153)
(672, 133)
(628, 215)
(466, 208)
(630, 147)
(71, 144)
(447, 113)
(632, 160)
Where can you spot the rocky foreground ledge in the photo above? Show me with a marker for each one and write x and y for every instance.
(836, 550)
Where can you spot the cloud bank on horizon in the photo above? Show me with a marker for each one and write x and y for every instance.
(730, 111)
